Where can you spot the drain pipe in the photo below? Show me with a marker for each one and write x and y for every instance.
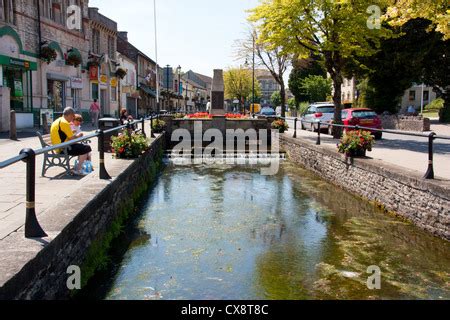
(39, 26)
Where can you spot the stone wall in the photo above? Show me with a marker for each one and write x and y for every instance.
(406, 123)
(45, 276)
(423, 202)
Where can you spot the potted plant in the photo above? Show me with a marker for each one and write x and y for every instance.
(158, 126)
(121, 73)
(48, 54)
(73, 59)
(356, 143)
(280, 125)
(129, 145)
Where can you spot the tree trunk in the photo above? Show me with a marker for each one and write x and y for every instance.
(333, 63)
(444, 114)
(283, 99)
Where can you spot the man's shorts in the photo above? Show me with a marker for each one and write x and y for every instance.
(79, 149)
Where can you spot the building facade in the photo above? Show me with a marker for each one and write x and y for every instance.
(268, 85)
(32, 84)
(128, 93)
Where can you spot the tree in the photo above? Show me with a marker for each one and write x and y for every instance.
(437, 11)
(316, 88)
(239, 84)
(274, 58)
(276, 99)
(335, 30)
(303, 68)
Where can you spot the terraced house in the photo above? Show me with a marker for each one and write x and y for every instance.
(44, 49)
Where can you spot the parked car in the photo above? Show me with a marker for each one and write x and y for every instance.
(363, 117)
(268, 112)
(323, 112)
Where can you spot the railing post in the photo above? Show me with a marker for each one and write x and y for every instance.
(295, 128)
(430, 173)
(318, 134)
(32, 227)
(152, 135)
(143, 127)
(104, 175)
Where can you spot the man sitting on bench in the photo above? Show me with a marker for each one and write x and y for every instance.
(62, 132)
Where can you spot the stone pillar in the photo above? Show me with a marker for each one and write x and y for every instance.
(5, 109)
(218, 93)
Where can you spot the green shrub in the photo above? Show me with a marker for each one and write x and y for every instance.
(437, 104)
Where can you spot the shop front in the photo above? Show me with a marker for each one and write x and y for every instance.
(17, 75)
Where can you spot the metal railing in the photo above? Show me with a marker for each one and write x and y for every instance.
(28, 155)
(432, 136)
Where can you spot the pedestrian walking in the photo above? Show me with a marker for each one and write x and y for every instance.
(95, 113)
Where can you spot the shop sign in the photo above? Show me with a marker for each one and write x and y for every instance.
(126, 89)
(113, 82)
(19, 63)
(76, 83)
(93, 73)
(104, 79)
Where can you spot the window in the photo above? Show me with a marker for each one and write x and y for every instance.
(76, 93)
(412, 95)
(426, 95)
(344, 115)
(45, 8)
(56, 11)
(94, 91)
(113, 94)
(7, 10)
(111, 48)
(95, 41)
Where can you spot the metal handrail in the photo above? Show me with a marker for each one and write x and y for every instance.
(32, 227)
(432, 136)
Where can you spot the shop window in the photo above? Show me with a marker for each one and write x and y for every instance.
(13, 79)
(113, 94)
(94, 91)
(56, 95)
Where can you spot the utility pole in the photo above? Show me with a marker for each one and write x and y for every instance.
(156, 53)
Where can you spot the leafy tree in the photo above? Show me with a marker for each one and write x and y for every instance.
(303, 68)
(276, 99)
(316, 88)
(239, 84)
(273, 58)
(335, 30)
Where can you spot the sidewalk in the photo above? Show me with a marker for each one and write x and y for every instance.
(50, 190)
(404, 151)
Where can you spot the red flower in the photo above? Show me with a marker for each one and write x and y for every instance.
(121, 150)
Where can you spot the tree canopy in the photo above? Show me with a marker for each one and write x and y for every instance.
(239, 84)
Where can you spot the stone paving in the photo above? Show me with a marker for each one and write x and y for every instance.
(49, 190)
(405, 151)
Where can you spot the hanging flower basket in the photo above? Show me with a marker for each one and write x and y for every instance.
(121, 73)
(74, 59)
(48, 54)
(356, 143)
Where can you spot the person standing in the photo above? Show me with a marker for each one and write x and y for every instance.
(95, 113)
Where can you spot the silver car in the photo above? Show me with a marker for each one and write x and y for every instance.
(323, 112)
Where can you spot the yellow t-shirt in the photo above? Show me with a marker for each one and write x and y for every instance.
(60, 129)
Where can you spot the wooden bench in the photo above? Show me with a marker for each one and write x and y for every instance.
(52, 158)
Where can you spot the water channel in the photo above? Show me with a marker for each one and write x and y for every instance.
(224, 232)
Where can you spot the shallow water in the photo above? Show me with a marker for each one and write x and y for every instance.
(231, 233)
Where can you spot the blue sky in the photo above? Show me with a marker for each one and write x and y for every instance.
(196, 34)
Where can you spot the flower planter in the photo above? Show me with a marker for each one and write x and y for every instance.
(358, 153)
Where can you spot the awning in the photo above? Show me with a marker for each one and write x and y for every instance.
(148, 90)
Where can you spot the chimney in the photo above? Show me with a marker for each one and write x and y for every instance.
(123, 35)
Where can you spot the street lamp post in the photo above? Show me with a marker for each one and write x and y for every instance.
(168, 88)
(179, 86)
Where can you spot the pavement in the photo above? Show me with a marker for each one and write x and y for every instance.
(404, 151)
(50, 190)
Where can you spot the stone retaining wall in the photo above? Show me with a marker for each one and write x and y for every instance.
(80, 243)
(423, 202)
(406, 123)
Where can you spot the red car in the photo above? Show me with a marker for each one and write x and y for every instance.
(363, 117)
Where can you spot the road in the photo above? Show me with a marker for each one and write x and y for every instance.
(405, 151)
